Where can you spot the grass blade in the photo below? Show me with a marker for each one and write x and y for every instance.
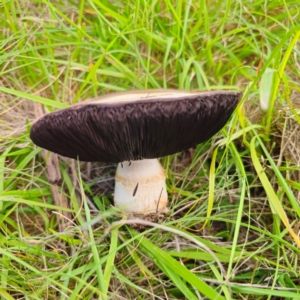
(34, 98)
(161, 257)
(272, 197)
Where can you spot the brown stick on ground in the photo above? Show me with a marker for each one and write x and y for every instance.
(54, 177)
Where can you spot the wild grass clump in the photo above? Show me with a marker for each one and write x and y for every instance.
(232, 231)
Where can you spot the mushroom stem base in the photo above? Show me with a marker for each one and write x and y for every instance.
(141, 187)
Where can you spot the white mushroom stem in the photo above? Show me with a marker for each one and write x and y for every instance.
(141, 187)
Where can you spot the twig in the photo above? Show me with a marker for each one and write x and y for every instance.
(54, 177)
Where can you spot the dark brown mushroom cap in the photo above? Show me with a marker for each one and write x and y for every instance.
(116, 131)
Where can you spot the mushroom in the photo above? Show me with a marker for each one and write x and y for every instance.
(134, 128)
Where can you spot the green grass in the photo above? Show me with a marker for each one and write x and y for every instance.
(233, 227)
